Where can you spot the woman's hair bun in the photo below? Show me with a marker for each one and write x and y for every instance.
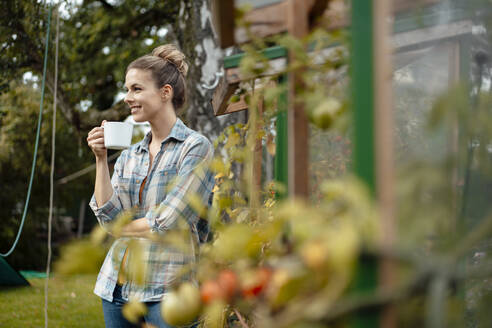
(170, 53)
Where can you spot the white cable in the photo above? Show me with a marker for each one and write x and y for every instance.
(53, 135)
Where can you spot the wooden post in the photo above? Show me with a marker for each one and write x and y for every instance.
(383, 136)
(298, 130)
(258, 152)
(223, 21)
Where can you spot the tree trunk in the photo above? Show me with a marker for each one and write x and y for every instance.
(194, 34)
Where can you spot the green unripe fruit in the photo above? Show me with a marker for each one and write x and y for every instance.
(182, 306)
(326, 112)
(234, 99)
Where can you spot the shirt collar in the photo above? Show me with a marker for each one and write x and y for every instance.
(179, 132)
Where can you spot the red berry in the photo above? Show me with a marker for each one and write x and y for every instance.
(210, 291)
(228, 282)
(257, 283)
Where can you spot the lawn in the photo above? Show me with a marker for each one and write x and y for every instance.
(71, 304)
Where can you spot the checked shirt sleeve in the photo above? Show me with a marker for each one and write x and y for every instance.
(108, 211)
(193, 177)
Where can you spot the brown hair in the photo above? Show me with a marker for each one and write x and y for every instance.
(167, 66)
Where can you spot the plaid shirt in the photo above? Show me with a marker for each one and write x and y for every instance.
(172, 177)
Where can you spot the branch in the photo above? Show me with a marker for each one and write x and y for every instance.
(241, 319)
(84, 121)
(94, 117)
(66, 109)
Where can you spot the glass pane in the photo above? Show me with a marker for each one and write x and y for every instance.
(443, 141)
(330, 141)
(420, 76)
(330, 156)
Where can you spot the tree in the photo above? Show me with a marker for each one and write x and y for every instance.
(98, 40)
(18, 119)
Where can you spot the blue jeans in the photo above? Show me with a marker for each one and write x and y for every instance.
(113, 318)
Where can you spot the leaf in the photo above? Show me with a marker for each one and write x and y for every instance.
(224, 202)
(122, 219)
(234, 242)
(232, 140)
(214, 314)
(237, 154)
(137, 267)
(271, 147)
(98, 235)
(134, 310)
(242, 216)
(218, 166)
(196, 204)
(270, 202)
(81, 256)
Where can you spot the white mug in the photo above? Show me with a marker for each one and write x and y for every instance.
(117, 135)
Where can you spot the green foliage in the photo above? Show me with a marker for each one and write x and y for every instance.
(97, 42)
(18, 121)
(105, 36)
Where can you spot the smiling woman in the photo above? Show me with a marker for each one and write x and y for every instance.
(153, 178)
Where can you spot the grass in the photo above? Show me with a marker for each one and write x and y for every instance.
(71, 303)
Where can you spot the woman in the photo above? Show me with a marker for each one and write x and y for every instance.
(154, 178)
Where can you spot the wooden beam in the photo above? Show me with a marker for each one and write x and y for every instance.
(264, 21)
(383, 139)
(317, 9)
(336, 16)
(298, 129)
(272, 19)
(222, 94)
(236, 106)
(230, 82)
(223, 21)
(258, 152)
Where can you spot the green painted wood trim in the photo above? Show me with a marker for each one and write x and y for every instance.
(270, 53)
(362, 89)
(281, 159)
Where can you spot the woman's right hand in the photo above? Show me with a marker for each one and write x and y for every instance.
(95, 140)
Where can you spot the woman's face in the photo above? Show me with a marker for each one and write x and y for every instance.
(143, 97)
